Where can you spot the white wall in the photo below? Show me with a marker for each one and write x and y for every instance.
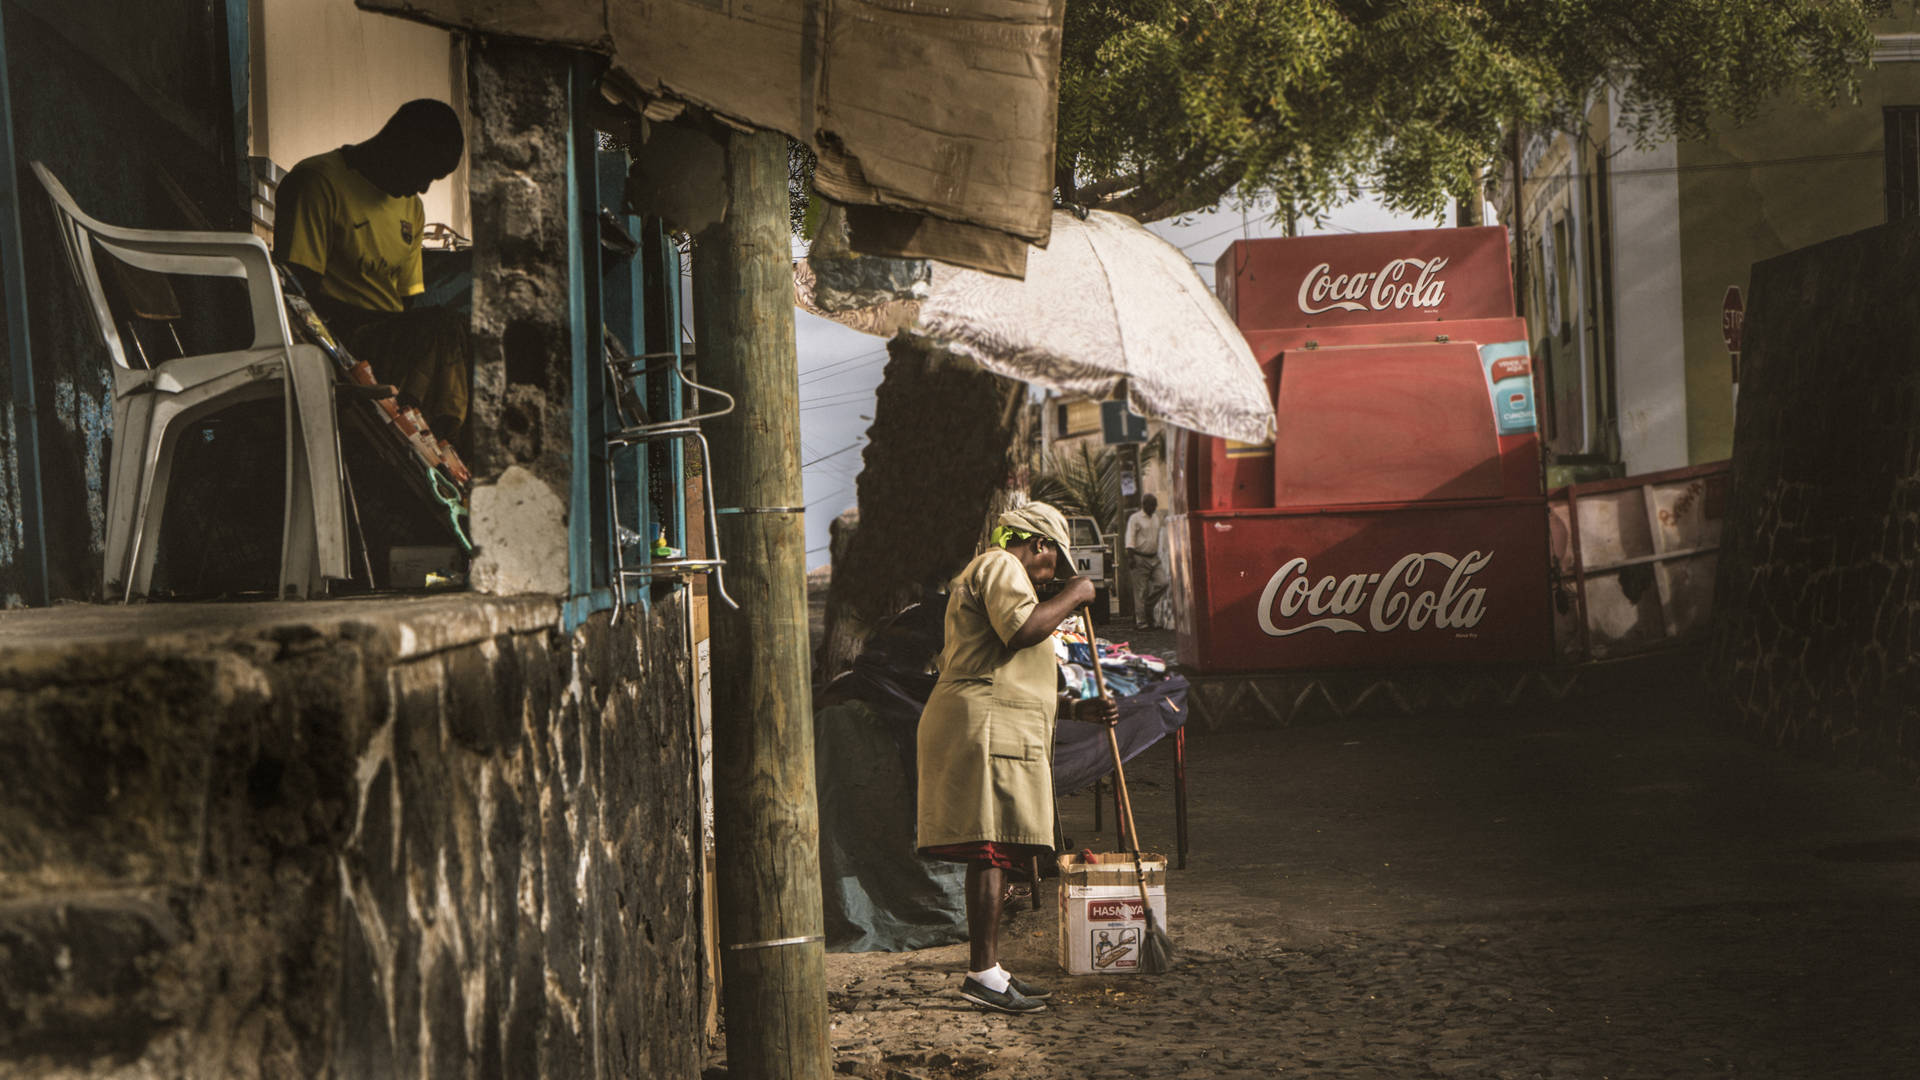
(326, 74)
(1649, 345)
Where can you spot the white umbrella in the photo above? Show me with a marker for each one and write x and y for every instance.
(1108, 310)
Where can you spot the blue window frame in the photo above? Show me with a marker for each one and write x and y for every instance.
(31, 556)
(621, 268)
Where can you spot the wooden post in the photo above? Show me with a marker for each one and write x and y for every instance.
(772, 960)
(1471, 212)
(1520, 282)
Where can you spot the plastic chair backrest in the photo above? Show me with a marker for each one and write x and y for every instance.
(76, 230)
(207, 254)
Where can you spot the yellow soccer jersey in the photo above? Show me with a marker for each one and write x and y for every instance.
(364, 243)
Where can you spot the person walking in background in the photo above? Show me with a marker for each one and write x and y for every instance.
(986, 736)
(1143, 559)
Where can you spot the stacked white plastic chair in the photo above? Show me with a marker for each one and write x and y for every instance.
(153, 406)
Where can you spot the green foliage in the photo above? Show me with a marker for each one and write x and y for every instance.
(1081, 482)
(801, 212)
(1167, 105)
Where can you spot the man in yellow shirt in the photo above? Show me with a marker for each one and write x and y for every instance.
(349, 222)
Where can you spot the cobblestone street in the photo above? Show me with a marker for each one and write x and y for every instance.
(1608, 889)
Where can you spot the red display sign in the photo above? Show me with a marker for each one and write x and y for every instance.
(1216, 474)
(1385, 587)
(1366, 279)
(1385, 423)
(1398, 520)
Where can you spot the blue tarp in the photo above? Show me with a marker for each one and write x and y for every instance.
(879, 894)
(1080, 751)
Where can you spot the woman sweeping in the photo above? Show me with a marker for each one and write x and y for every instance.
(986, 735)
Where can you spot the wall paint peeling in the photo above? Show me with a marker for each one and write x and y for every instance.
(89, 419)
(12, 527)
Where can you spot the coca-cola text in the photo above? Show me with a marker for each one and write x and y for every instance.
(1400, 285)
(1389, 601)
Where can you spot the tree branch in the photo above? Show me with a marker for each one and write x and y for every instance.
(1148, 203)
(1111, 186)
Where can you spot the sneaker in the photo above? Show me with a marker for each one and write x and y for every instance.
(1028, 990)
(1012, 1001)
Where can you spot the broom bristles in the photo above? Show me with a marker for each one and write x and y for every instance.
(1157, 951)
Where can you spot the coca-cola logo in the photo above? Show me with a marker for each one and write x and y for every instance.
(1387, 601)
(1398, 286)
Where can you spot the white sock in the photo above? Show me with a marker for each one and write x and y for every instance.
(994, 978)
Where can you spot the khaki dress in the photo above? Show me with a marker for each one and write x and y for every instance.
(986, 735)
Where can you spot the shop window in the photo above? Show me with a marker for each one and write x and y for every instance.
(629, 372)
(1563, 276)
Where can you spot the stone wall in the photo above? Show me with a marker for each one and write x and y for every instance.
(430, 837)
(1817, 606)
(522, 418)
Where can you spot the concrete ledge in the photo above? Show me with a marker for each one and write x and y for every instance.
(42, 641)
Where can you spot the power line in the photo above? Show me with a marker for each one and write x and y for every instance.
(831, 375)
(834, 404)
(1661, 170)
(1326, 225)
(837, 491)
(835, 454)
(1709, 166)
(1213, 236)
(845, 360)
(846, 469)
(814, 374)
(837, 395)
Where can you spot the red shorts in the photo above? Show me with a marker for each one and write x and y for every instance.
(1003, 856)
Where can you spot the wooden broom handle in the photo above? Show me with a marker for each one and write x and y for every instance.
(1119, 770)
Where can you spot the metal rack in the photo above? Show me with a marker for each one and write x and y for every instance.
(639, 430)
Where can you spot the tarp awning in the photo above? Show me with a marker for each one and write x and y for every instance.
(944, 110)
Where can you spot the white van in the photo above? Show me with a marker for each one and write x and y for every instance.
(1090, 559)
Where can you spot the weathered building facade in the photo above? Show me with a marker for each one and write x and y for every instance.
(438, 835)
(1631, 252)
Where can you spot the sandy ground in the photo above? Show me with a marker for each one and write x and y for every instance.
(1609, 888)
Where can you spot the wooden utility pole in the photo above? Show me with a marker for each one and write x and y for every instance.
(1470, 212)
(1520, 282)
(766, 822)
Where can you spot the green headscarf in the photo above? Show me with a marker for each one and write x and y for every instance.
(1003, 535)
(1037, 519)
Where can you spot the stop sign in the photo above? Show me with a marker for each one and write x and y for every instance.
(1733, 313)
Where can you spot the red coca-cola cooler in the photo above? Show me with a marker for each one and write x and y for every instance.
(1399, 518)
